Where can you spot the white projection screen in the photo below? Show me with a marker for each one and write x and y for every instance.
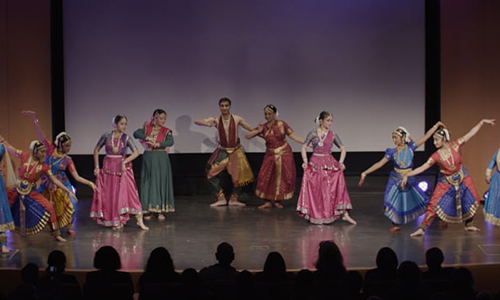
(363, 60)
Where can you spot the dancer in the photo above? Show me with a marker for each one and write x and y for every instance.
(276, 180)
(455, 197)
(117, 198)
(31, 211)
(323, 195)
(157, 189)
(60, 162)
(402, 205)
(229, 157)
(6, 222)
(492, 203)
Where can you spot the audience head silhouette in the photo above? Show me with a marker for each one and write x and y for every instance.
(225, 254)
(107, 259)
(57, 259)
(329, 257)
(387, 260)
(434, 258)
(160, 262)
(275, 265)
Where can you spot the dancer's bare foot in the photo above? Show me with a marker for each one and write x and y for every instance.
(266, 205)
(278, 205)
(219, 203)
(395, 229)
(5, 250)
(418, 232)
(60, 238)
(140, 223)
(348, 218)
(147, 218)
(161, 217)
(118, 227)
(233, 201)
(472, 229)
(71, 232)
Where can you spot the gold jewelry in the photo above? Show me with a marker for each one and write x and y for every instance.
(113, 146)
(321, 139)
(27, 173)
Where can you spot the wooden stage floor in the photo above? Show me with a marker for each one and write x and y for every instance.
(192, 233)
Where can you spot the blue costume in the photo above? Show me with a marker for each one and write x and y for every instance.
(492, 204)
(6, 222)
(403, 205)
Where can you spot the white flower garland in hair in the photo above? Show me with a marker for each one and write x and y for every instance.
(56, 142)
(407, 134)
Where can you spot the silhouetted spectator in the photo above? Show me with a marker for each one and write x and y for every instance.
(378, 281)
(159, 272)
(409, 283)
(27, 290)
(462, 285)
(329, 278)
(274, 269)
(434, 258)
(55, 284)
(108, 283)
(354, 283)
(192, 285)
(222, 271)
(304, 281)
(246, 288)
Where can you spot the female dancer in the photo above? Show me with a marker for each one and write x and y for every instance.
(277, 174)
(6, 222)
(117, 198)
(491, 205)
(323, 195)
(59, 162)
(402, 205)
(31, 211)
(455, 198)
(157, 190)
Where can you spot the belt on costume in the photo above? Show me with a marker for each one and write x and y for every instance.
(450, 179)
(114, 156)
(24, 187)
(320, 154)
(229, 149)
(278, 149)
(154, 150)
(402, 171)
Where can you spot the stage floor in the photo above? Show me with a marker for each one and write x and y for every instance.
(192, 233)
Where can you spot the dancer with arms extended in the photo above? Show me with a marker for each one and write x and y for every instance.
(30, 210)
(455, 198)
(229, 157)
(60, 162)
(323, 195)
(276, 180)
(6, 221)
(157, 189)
(117, 198)
(402, 205)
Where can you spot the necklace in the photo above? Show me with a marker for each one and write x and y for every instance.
(113, 146)
(401, 163)
(321, 137)
(28, 171)
(445, 155)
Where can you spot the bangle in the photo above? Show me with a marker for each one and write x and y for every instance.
(363, 174)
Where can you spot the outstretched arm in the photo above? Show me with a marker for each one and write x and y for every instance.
(60, 185)
(41, 136)
(371, 169)
(245, 125)
(9, 147)
(476, 128)
(82, 180)
(296, 138)
(428, 134)
(416, 171)
(256, 131)
(207, 122)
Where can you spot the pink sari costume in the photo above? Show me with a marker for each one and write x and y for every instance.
(276, 179)
(117, 198)
(229, 156)
(31, 211)
(455, 198)
(323, 194)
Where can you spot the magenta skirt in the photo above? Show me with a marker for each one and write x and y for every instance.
(323, 194)
(117, 198)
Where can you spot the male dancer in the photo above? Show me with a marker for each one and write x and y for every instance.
(229, 156)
